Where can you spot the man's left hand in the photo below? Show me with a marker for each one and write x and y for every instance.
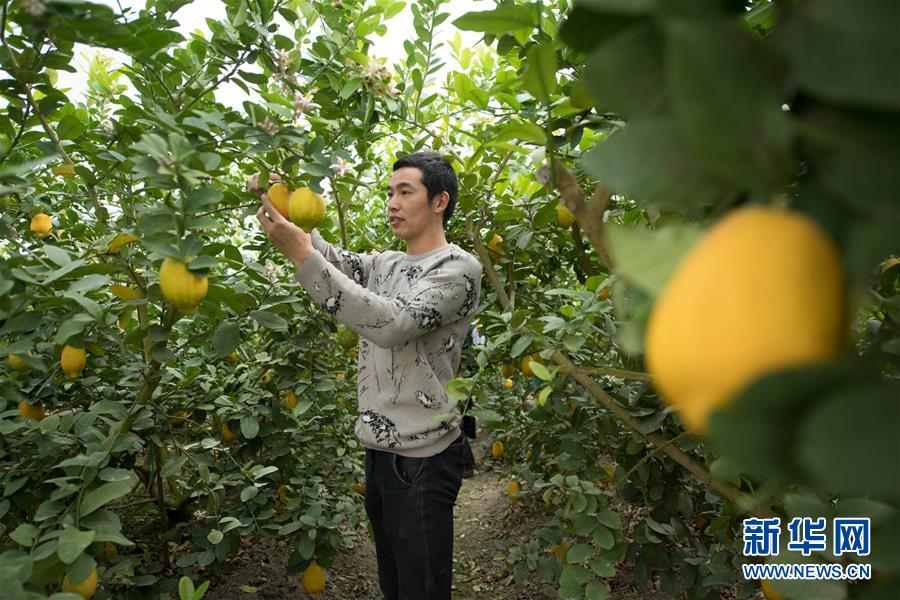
(293, 242)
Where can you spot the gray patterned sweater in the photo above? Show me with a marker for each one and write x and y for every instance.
(412, 313)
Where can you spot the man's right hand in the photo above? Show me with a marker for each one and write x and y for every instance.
(253, 183)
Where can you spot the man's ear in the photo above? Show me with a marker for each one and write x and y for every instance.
(443, 196)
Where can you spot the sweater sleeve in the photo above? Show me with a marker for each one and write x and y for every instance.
(353, 265)
(443, 295)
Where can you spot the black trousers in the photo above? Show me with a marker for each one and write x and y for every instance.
(410, 502)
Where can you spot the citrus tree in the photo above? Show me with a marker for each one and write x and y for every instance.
(627, 169)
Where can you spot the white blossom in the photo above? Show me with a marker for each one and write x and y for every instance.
(340, 167)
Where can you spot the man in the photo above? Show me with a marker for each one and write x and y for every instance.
(412, 311)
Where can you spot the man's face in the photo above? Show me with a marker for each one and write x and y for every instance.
(408, 210)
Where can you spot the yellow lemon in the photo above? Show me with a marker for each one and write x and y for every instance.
(306, 209)
(283, 492)
(512, 490)
(313, 579)
(124, 293)
(564, 216)
(280, 197)
(85, 588)
(508, 383)
(559, 550)
(603, 293)
(120, 241)
(233, 357)
(497, 449)
(72, 360)
(289, 401)
(494, 249)
(64, 170)
(762, 290)
(526, 364)
(181, 287)
(768, 592)
(508, 370)
(35, 411)
(41, 224)
(179, 418)
(17, 364)
(228, 436)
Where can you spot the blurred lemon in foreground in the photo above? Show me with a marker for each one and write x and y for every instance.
(762, 290)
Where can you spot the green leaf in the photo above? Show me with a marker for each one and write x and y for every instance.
(726, 95)
(542, 397)
(215, 536)
(540, 370)
(89, 283)
(306, 547)
(226, 338)
(24, 534)
(757, 431)
(202, 197)
(571, 580)
(269, 320)
(99, 496)
(520, 130)
(72, 543)
(249, 427)
(72, 327)
(161, 354)
(57, 255)
(579, 553)
(185, 589)
(647, 258)
(521, 344)
(485, 414)
(248, 493)
(603, 537)
(502, 19)
(849, 442)
(596, 591)
(539, 77)
(844, 51)
(626, 73)
(654, 145)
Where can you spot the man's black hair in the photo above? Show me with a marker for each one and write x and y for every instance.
(437, 176)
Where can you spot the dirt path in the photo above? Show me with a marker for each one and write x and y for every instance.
(484, 518)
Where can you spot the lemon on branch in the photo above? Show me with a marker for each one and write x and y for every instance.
(289, 401)
(762, 290)
(512, 490)
(768, 591)
(526, 364)
(494, 249)
(306, 209)
(72, 360)
(182, 288)
(64, 170)
(313, 579)
(17, 364)
(84, 588)
(497, 449)
(41, 224)
(35, 411)
(280, 196)
(564, 216)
